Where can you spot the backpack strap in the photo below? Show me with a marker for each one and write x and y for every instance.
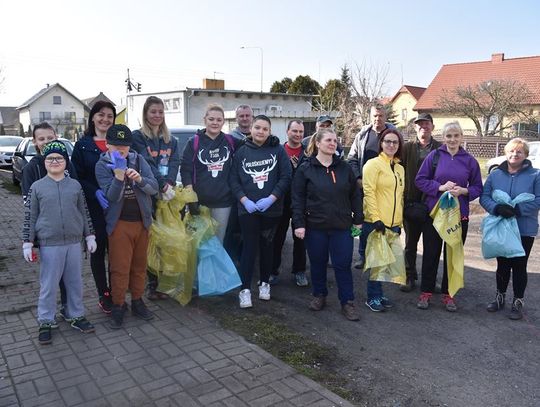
(195, 151)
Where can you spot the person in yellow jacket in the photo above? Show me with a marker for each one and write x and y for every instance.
(384, 183)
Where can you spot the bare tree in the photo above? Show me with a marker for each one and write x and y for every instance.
(493, 105)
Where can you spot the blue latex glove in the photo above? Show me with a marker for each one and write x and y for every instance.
(264, 203)
(117, 161)
(102, 199)
(250, 206)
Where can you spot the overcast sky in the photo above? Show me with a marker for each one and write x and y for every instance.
(88, 46)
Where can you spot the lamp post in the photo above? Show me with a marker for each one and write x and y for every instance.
(262, 62)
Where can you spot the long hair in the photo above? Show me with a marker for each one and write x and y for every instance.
(146, 129)
(312, 149)
(91, 128)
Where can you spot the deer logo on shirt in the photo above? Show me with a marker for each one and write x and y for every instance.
(259, 176)
(216, 162)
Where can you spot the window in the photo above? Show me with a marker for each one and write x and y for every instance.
(57, 100)
(70, 116)
(44, 116)
(404, 115)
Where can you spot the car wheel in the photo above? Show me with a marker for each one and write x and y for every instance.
(15, 180)
(492, 168)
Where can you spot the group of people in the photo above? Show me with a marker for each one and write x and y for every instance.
(255, 186)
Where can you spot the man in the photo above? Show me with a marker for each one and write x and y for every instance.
(295, 150)
(244, 119)
(414, 153)
(324, 122)
(364, 147)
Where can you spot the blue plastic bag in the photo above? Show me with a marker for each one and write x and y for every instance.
(500, 236)
(216, 272)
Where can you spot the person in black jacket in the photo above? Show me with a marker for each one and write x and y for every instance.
(326, 203)
(260, 177)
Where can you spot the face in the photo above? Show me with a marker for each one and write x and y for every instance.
(515, 156)
(328, 144)
(390, 144)
(453, 139)
(55, 163)
(42, 137)
(155, 115)
(324, 125)
(244, 117)
(378, 117)
(103, 119)
(424, 128)
(214, 121)
(260, 131)
(123, 150)
(295, 134)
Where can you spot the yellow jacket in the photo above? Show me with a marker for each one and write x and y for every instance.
(383, 182)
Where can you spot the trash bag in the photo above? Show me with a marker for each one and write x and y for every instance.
(384, 256)
(447, 222)
(216, 272)
(500, 236)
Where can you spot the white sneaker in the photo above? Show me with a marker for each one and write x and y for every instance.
(245, 298)
(264, 291)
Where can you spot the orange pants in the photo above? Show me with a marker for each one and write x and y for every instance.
(128, 244)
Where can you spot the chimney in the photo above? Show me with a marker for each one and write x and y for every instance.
(213, 84)
(497, 58)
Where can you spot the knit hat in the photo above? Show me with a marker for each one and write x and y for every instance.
(55, 147)
(119, 135)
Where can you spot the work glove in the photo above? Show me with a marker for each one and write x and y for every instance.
(118, 165)
(28, 252)
(168, 193)
(506, 211)
(193, 208)
(379, 226)
(250, 206)
(264, 203)
(91, 244)
(102, 199)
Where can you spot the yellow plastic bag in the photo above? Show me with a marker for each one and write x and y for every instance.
(378, 251)
(384, 256)
(447, 222)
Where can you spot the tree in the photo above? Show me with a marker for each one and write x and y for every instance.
(391, 115)
(281, 86)
(21, 130)
(304, 85)
(29, 134)
(331, 95)
(2, 130)
(493, 105)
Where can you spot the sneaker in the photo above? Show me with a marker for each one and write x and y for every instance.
(45, 334)
(349, 311)
(375, 305)
(386, 302)
(63, 314)
(274, 279)
(408, 286)
(245, 298)
(517, 309)
(301, 279)
(117, 316)
(317, 303)
(264, 291)
(423, 300)
(498, 304)
(105, 302)
(449, 303)
(139, 309)
(83, 325)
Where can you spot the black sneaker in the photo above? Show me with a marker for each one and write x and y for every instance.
(117, 316)
(517, 309)
(45, 334)
(105, 302)
(139, 309)
(498, 304)
(62, 314)
(83, 325)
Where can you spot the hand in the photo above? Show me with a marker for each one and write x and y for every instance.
(193, 208)
(102, 199)
(447, 187)
(168, 193)
(359, 183)
(300, 233)
(264, 203)
(379, 226)
(506, 211)
(250, 205)
(27, 252)
(457, 191)
(91, 244)
(133, 175)
(118, 165)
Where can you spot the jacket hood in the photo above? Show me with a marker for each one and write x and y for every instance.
(335, 161)
(271, 141)
(444, 149)
(384, 157)
(525, 166)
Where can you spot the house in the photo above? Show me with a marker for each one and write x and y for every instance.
(57, 106)
(403, 103)
(9, 120)
(120, 114)
(525, 70)
(90, 102)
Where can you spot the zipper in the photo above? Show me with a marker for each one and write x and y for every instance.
(395, 192)
(61, 213)
(331, 172)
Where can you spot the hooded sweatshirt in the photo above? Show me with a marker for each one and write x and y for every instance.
(260, 171)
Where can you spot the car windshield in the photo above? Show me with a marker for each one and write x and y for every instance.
(9, 141)
(182, 136)
(31, 150)
(533, 150)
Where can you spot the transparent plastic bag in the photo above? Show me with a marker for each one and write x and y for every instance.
(216, 272)
(384, 256)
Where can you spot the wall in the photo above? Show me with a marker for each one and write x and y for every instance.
(174, 109)
(404, 101)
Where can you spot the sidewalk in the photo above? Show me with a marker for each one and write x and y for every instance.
(181, 358)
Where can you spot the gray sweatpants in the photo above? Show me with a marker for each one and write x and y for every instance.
(221, 215)
(55, 262)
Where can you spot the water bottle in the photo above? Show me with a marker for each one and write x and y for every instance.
(164, 165)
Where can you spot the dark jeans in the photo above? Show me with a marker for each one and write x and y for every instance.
(517, 266)
(433, 245)
(299, 249)
(413, 231)
(97, 259)
(258, 237)
(340, 245)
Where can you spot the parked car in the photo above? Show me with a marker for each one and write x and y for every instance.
(534, 157)
(8, 144)
(24, 153)
(182, 135)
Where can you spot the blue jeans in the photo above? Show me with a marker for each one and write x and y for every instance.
(374, 288)
(340, 245)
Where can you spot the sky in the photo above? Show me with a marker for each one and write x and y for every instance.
(173, 44)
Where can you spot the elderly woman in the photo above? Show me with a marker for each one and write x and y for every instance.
(514, 176)
(448, 168)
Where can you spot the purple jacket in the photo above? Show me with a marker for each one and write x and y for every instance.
(462, 168)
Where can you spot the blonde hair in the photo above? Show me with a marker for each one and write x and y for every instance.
(312, 149)
(163, 130)
(214, 108)
(517, 142)
(448, 127)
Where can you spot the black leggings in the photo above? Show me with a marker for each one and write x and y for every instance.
(517, 266)
(97, 259)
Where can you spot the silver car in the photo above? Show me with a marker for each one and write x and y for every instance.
(8, 144)
(534, 157)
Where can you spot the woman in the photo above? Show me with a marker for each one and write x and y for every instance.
(448, 168)
(260, 177)
(154, 142)
(206, 165)
(325, 204)
(383, 183)
(514, 176)
(85, 156)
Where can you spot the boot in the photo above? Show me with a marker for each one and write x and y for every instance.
(498, 303)
(317, 303)
(517, 309)
(117, 316)
(409, 285)
(138, 308)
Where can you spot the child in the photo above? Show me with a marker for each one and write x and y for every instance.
(127, 181)
(56, 216)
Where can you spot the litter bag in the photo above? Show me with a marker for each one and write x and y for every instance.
(384, 256)
(215, 271)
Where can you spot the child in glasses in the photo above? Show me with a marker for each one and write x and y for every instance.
(57, 219)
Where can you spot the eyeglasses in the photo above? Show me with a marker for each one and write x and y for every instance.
(391, 142)
(51, 160)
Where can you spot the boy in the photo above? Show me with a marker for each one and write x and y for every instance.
(127, 181)
(56, 216)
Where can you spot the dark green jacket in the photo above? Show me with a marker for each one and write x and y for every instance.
(411, 161)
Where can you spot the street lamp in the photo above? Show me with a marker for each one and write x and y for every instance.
(262, 62)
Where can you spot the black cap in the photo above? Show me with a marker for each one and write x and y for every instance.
(119, 135)
(325, 118)
(424, 116)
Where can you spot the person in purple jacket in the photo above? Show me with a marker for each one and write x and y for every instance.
(448, 168)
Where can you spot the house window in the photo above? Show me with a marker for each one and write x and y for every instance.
(57, 100)
(44, 116)
(404, 115)
(70, 116)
